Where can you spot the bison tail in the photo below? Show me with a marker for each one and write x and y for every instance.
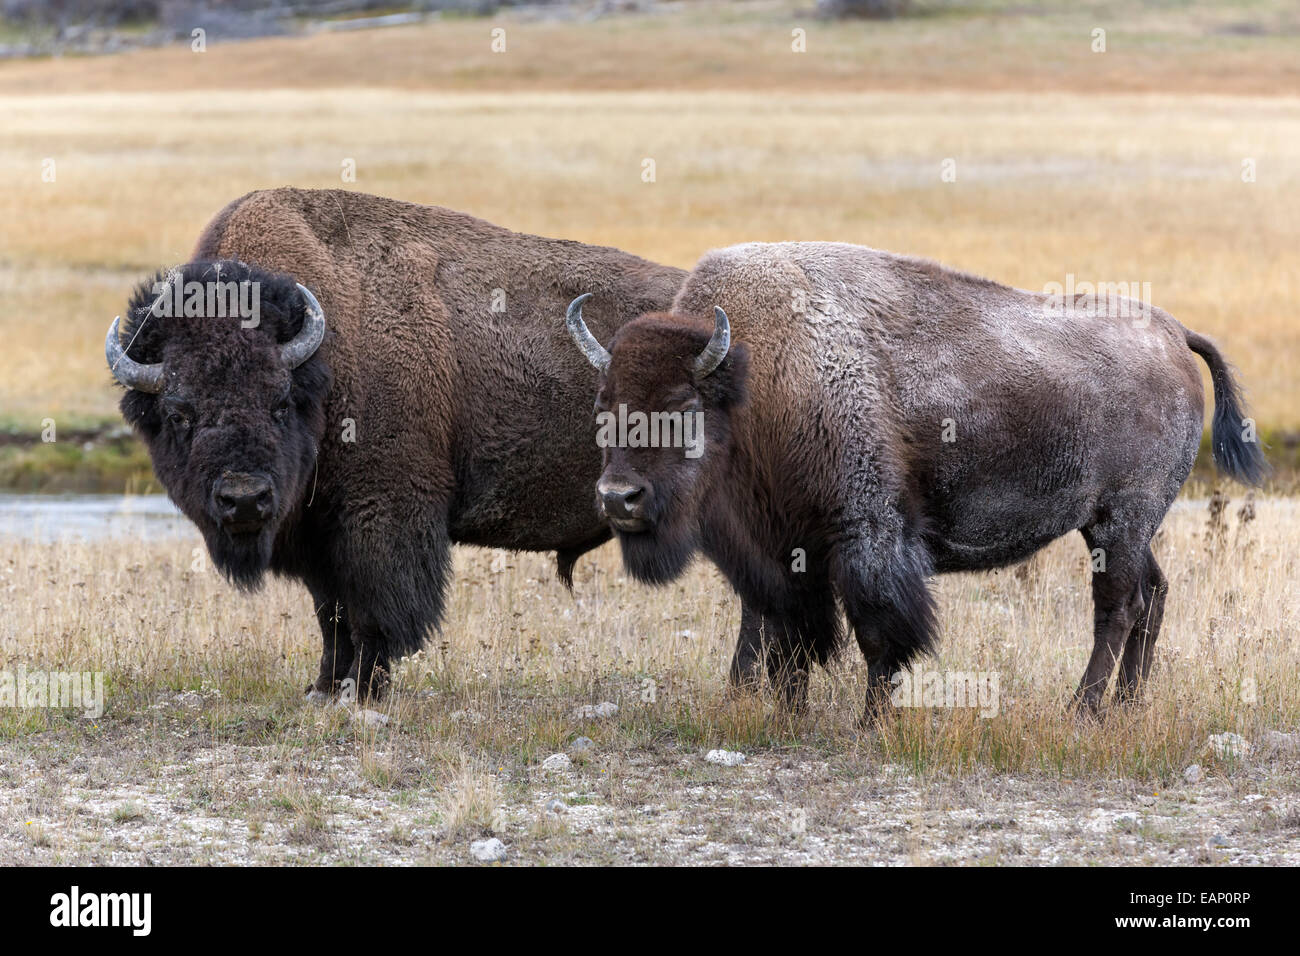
(1234, 454)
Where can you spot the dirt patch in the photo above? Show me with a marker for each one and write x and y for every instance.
(205, 803)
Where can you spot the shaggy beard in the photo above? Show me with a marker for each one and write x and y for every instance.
(658, 555)
(242, 560)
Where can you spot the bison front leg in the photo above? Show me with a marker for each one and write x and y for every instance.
(368, 678)
(793, 639)
(336, 646)
(746, 674)
(395, 598)
(889, 605)
(774, 648)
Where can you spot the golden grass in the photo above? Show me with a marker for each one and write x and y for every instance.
(1110, 188)
(206, 752)
(498, 684)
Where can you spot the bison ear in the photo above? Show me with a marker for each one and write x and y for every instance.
(727, 384)
(140, 410)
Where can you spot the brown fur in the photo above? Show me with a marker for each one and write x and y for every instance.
(470, 424)
(828, 436)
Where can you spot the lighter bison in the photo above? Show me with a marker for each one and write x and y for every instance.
(883, 418)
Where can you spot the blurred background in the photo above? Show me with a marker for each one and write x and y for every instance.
(1154, 143)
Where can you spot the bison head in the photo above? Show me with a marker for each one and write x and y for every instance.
(667, 386)
(224, 387)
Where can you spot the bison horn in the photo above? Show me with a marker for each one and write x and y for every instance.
(582, 336)
(304, 345)
(716, 350)
(149, 378)
(132, 374)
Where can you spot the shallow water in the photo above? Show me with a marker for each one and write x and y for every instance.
(95, 517)
(91, 517)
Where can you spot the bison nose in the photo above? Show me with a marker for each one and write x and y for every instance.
(622, 501)
(243, 499)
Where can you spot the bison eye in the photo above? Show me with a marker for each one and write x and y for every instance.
(280, 412)
(681, 401)
(179, 413)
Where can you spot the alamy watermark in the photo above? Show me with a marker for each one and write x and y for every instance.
(214, 299)
(975, 690)
(626, 429)
(133, 911)
(53, 690)
(1118, 300)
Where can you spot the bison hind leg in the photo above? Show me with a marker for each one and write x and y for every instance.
(888, 602)
(1125, 579)
(1139, 648)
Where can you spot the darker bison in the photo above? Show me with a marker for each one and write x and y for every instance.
(419, 394)
(882, 419)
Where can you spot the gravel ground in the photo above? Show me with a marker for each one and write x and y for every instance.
(172, 796)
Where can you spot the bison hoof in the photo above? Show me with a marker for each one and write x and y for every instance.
(1086, 713)
(873, 716)
(744, 688)
(315, 696)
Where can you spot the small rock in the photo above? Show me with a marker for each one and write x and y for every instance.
(371, 718)
(1126, 821)
(318, 697)
(726, 758)
(582, 747)
(1146, 801)
(467, 717)
(557, 806)
(488, 851)
(557, 762)
(1229, 746)
(1218, 840)
(601, 710)
(1193, 774)
(1278, 744)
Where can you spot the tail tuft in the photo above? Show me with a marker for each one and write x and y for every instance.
(1236, 455)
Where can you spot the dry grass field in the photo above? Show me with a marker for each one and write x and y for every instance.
(1125, 166)
(1111, 189)
(1066, 161)
(206, 753)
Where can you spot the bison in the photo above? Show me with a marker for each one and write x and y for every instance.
(403, 386)
(882, 419)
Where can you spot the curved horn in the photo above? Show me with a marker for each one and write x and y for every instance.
(304, 345)
(582, 336)
(132, 374)
(716, 350)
